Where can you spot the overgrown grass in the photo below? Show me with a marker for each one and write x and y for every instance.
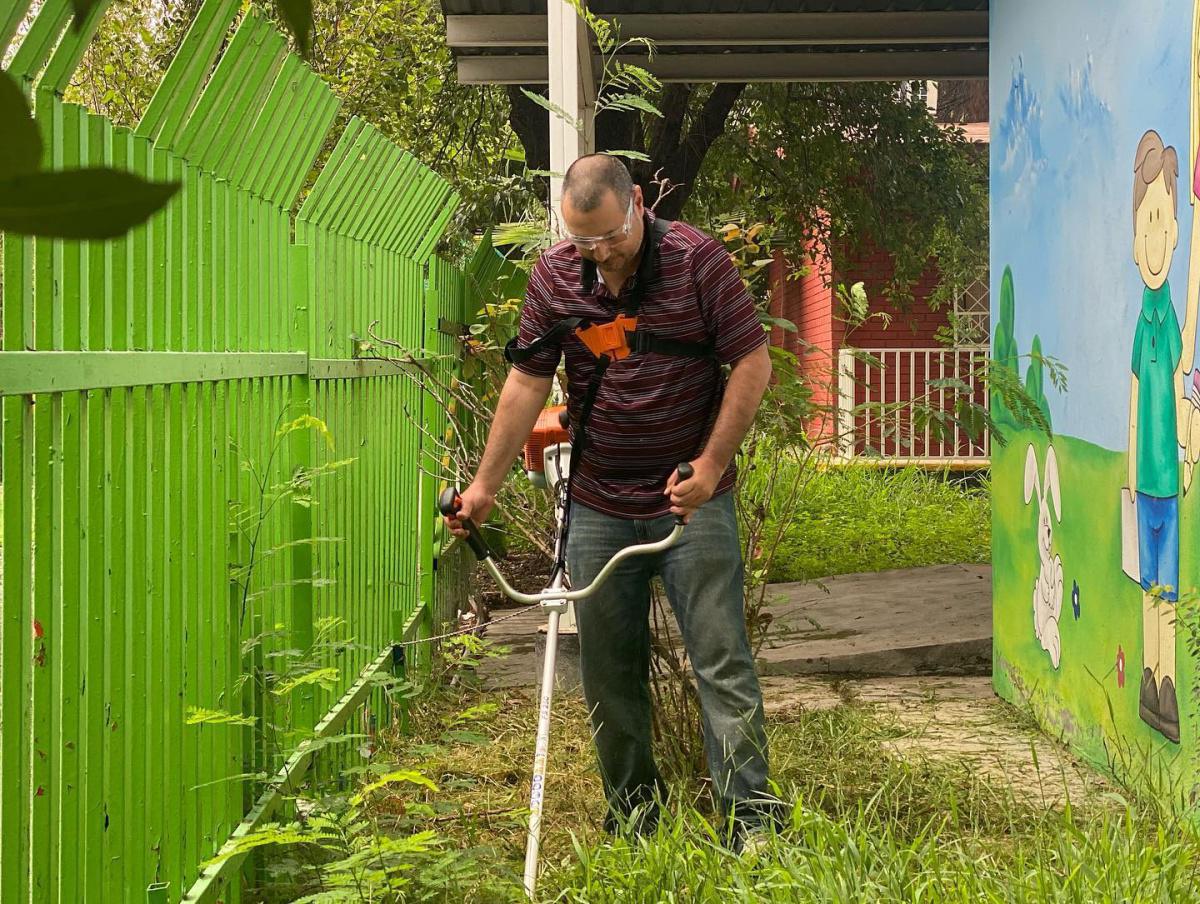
(866, 824)
(852, 519)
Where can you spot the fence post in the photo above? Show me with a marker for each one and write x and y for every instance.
(845, 406)
(300, 443)
(426, 498)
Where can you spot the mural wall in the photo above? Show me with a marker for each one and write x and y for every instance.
(1095, 265)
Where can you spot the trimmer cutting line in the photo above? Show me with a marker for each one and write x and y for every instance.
(550, 469)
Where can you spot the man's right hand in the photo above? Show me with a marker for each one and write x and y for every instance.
(477, 504)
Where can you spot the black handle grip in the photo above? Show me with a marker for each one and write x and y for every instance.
(448, 504)
(686, 472)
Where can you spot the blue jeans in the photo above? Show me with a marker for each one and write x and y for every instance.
(1158, 543)
(702, 575)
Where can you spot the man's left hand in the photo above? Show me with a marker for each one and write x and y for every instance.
(688, 495)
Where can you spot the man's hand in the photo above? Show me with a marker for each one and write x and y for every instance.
(477, 504)
(688, 495)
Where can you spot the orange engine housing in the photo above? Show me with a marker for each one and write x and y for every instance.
(546, 432)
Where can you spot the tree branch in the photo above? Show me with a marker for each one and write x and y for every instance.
(682, 166)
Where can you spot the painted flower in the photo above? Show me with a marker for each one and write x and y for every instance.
(1120, 666)
(1075, 599)
(780, 153)
(752, 131)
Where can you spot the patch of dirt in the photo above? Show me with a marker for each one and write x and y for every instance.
(527, 571)
(954, 718)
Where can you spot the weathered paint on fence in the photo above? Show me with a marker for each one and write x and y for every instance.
(181, 347)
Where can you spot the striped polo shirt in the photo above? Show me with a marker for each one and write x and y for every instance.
(653, 411)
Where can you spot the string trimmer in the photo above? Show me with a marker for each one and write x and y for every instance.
(548, 464)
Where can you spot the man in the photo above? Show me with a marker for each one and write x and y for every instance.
(652, 410)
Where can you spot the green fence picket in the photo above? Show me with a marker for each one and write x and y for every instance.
(118, 612)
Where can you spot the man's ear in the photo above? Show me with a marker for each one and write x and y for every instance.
(1174, 233)
(638, 201)
(1137, 259)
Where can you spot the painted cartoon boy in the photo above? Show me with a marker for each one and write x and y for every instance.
(1159, 419)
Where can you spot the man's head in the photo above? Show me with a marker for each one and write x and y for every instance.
(1155, 208)
(602, 210)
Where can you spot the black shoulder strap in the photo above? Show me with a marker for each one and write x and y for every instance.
(647, 267)
(516, 355)
(642, 341)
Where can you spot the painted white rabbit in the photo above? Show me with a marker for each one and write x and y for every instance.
(1048, 586)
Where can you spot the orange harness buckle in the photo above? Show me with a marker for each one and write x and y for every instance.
(609, 338)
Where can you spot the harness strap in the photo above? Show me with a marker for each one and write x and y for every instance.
(641, 341)
(579, 444)
(609, 342)
(647, 268)
(513, 354)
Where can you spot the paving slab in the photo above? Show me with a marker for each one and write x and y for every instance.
(922, 621)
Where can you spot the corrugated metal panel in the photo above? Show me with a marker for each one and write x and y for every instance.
(118, 609)
(370, 190)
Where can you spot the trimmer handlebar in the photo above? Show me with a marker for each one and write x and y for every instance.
(450, 502)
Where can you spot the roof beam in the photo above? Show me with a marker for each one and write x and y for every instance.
(868, 66)
(753, 29)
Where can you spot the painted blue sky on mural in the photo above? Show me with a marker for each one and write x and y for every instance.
(1076, 84)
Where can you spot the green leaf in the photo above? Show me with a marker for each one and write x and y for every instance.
(626, 102)
(80, 204)
(21, 150)
(554, 108)
(326, 677)
(632, 155)
(198, 715)
(408, 776)
(298, 17)
(304, 422)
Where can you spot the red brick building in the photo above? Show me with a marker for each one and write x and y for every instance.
(869, 376)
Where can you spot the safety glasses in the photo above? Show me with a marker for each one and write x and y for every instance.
(588, 242)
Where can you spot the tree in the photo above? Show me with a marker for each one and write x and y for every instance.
(388, 62)
(1005, 343)
(963, 100)
(839, 167)
(693, 118)
(831, 166)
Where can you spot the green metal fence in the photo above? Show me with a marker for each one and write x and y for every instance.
(135, 377)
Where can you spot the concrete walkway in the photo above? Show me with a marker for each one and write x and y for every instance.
(919, 621)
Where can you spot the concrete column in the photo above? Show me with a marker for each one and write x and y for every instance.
(573, 91)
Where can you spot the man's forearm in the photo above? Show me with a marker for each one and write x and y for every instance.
(743, 393)
(521, 401)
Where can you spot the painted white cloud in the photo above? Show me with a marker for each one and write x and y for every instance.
(1020, 134)
(1079, 99)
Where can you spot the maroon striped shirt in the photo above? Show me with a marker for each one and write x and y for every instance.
(653, 411)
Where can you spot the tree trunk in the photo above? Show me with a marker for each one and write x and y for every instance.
(962, 101)
(675, 154)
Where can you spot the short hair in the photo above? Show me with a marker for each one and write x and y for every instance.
(1151, 160)
(589, 177)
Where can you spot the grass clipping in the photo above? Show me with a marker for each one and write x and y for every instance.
(867, 823)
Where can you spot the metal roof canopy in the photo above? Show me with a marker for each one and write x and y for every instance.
(528, 42)
(506, 41)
